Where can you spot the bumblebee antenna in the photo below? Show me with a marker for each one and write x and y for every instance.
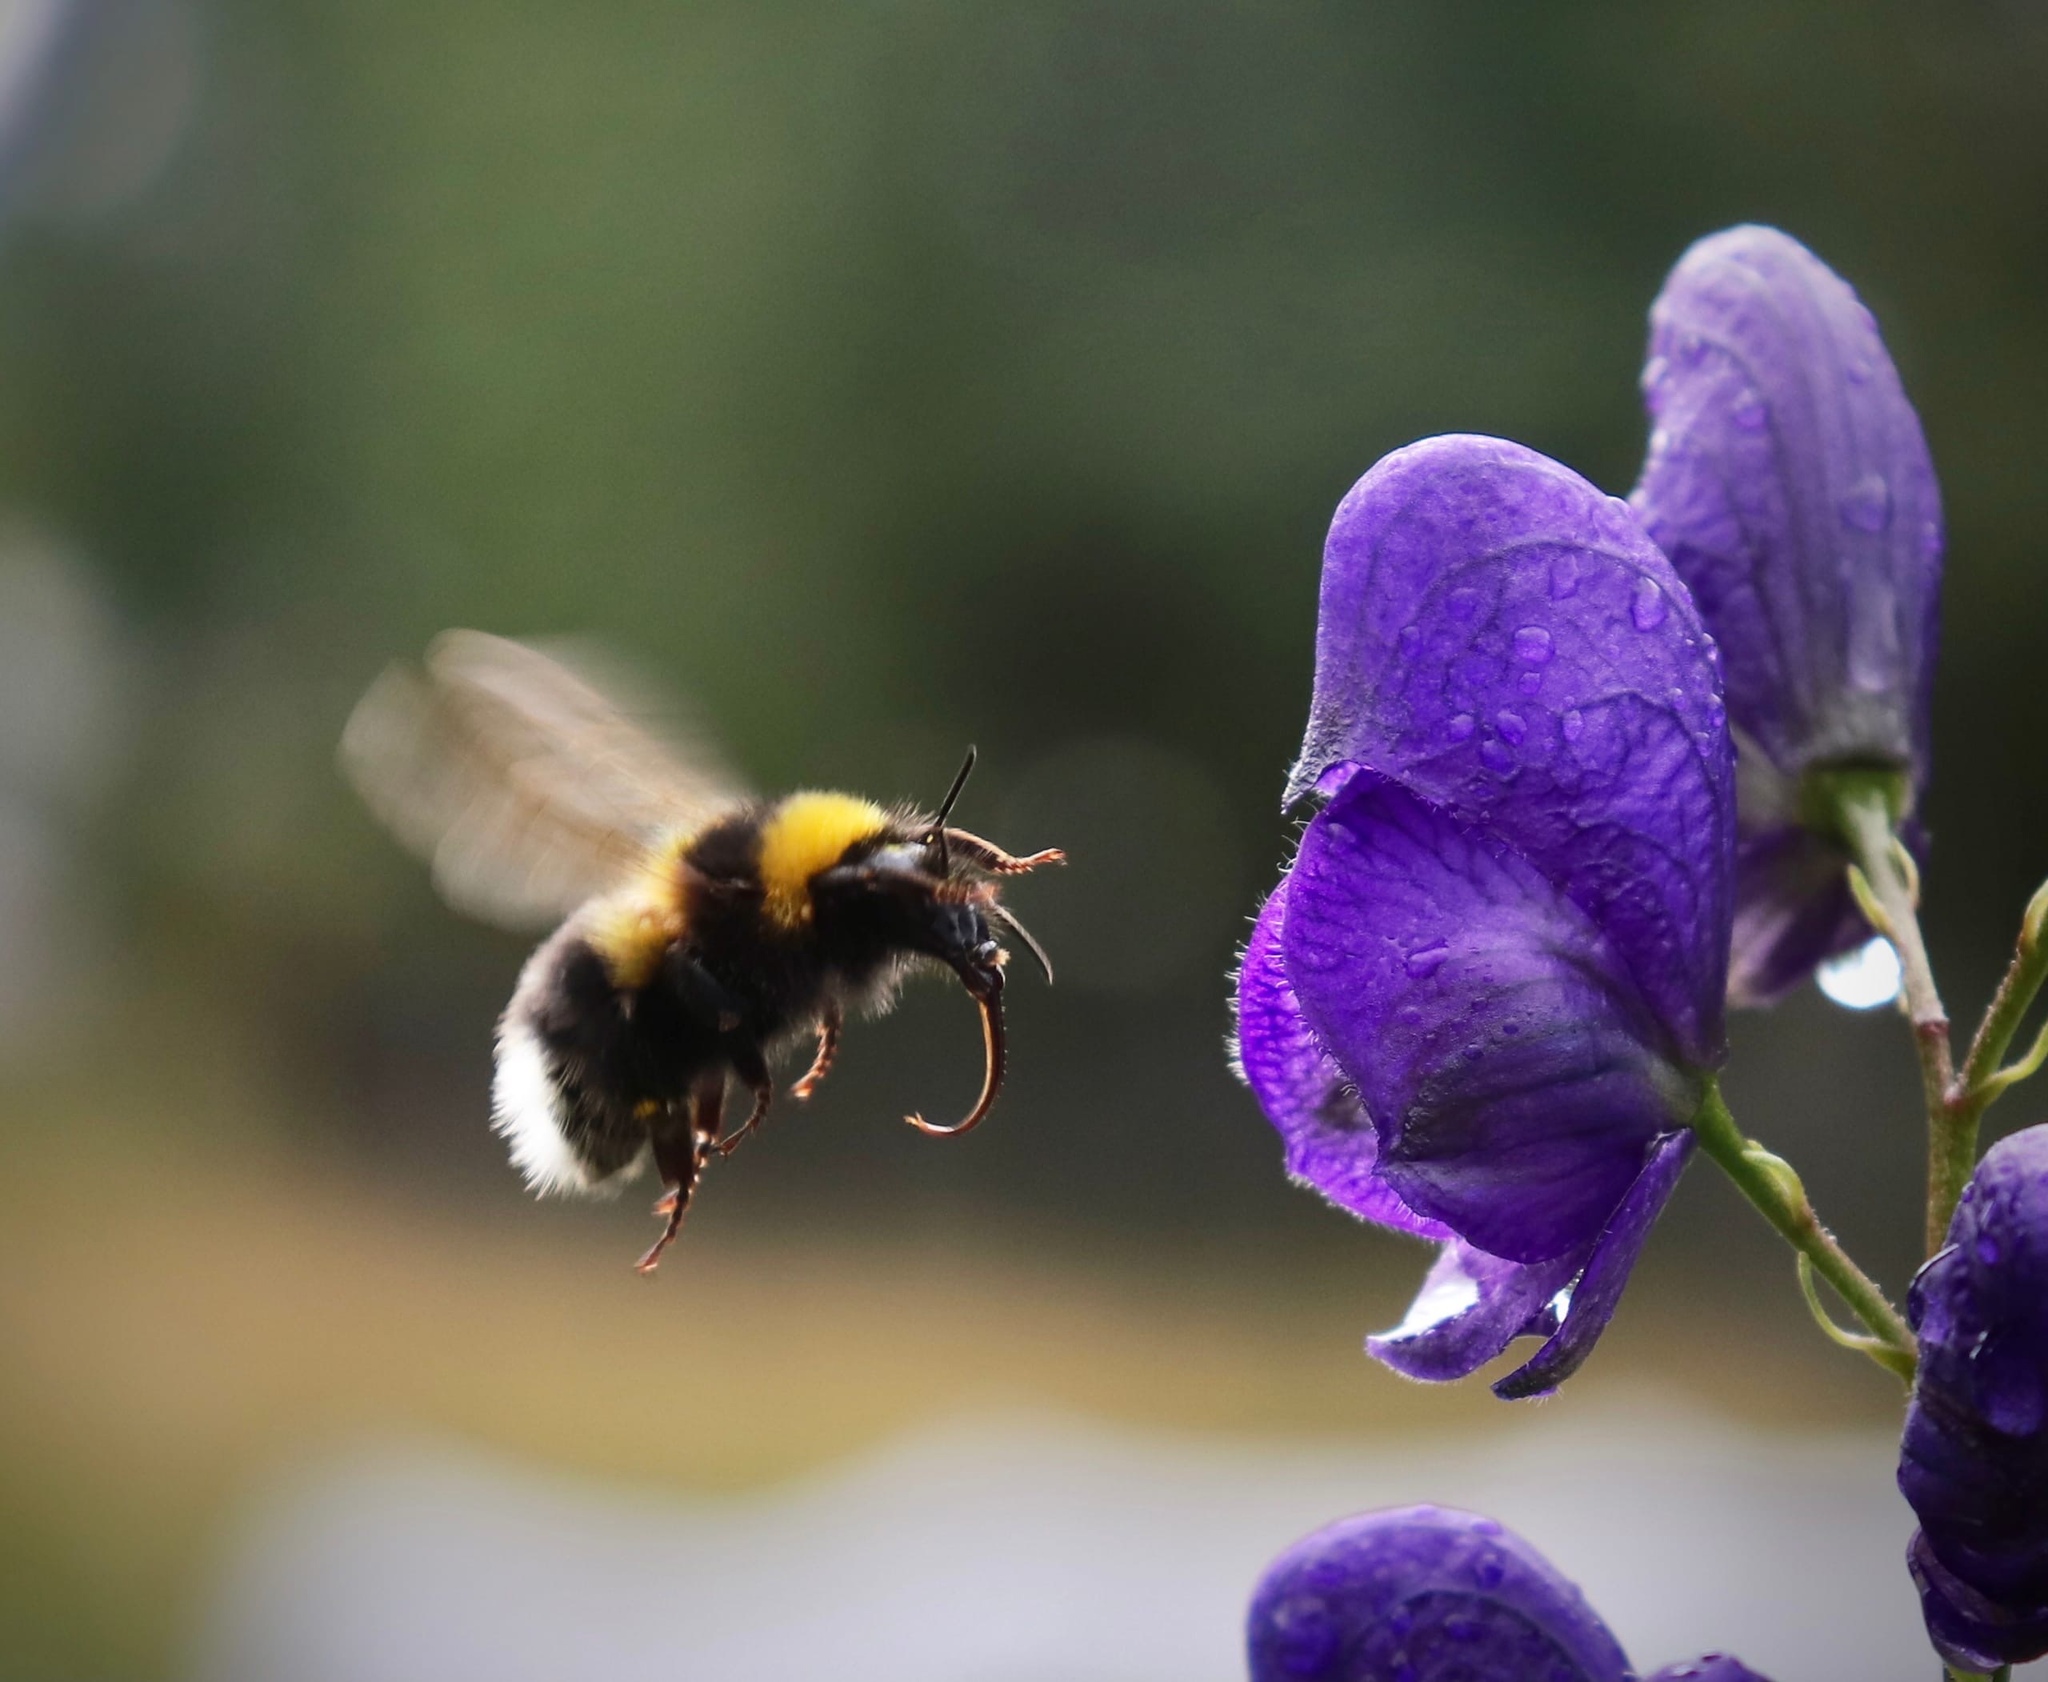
(938, 830)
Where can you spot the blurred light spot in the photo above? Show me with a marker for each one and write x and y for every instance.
(1151, 870)
(1862, 979)
(31, 32)
(61, 672)
(129, 84)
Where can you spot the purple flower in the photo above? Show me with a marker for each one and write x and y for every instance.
(1974, 1461)
(1480, 1005)
(1427, 1594)
(1788, 480)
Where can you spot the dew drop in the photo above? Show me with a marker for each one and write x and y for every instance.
(1564, 576)
(1511, 725)
(1425, 961)
(1751, 413)
(1867, 506)
(1646, 607)
(1573, 724)
(1496, 756)
(1461, 727)
(1462, 604)
(1529, 682)
(1410, 1015)
(1862, 979)
(1486, 1527)
(1487, 1570)
(1533, 645)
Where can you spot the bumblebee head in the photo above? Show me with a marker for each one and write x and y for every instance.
(907, 894)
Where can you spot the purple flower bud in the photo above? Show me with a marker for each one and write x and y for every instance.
(1974, 1459)
(1479, 1007)
(1788, 480)
(1424, 1594)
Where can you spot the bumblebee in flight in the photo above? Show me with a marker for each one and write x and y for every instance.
(702, 931)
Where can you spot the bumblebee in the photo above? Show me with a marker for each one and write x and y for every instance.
(703, 932)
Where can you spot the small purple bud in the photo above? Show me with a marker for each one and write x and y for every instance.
(1789, 482)
(1424, 1594)
(1974, 1458)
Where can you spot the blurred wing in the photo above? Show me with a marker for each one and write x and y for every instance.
(524, 784)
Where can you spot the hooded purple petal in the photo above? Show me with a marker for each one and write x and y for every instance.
(1789, 481)
(1505, 639)
(1424, 1594)
(1592, 1301)
(1974, 1458)
(1509, 1062)
(1471, 1307)
(1330, 1143)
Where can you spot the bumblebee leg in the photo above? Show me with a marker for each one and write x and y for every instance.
(988, 856)
(753, 1074)
(828, 1048)
(679, 1157)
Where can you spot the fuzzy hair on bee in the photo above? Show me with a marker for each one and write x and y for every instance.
(702, 933)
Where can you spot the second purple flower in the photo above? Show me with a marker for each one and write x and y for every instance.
(1482, 1005)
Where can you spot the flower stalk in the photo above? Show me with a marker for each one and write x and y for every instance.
(1770, 1183)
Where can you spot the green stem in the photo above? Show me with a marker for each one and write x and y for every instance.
(1887, 886)
(1769, 1183)
(1982, 1079)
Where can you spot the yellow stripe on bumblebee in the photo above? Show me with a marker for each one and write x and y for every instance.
(807, 833)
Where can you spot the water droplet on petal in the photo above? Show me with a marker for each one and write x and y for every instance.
(1646, 607)
(1425, 961)
(1862, 979)
(1461, 727)
(1529, 682)
(1573, 724)
(1512, 726)
(1867, 506)
(1751, 413)
(1534, 646)
(1463, 604)
(1564, 576)
(1496, 756)
(1410, 640)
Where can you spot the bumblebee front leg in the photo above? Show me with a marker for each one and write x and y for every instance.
(828, 1049)
(988, 856)
(752, 1071)
(680, 1153)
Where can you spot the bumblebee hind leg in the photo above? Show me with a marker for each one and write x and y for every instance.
(682, 1145)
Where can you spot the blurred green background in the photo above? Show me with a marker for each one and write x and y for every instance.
(882, 375)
